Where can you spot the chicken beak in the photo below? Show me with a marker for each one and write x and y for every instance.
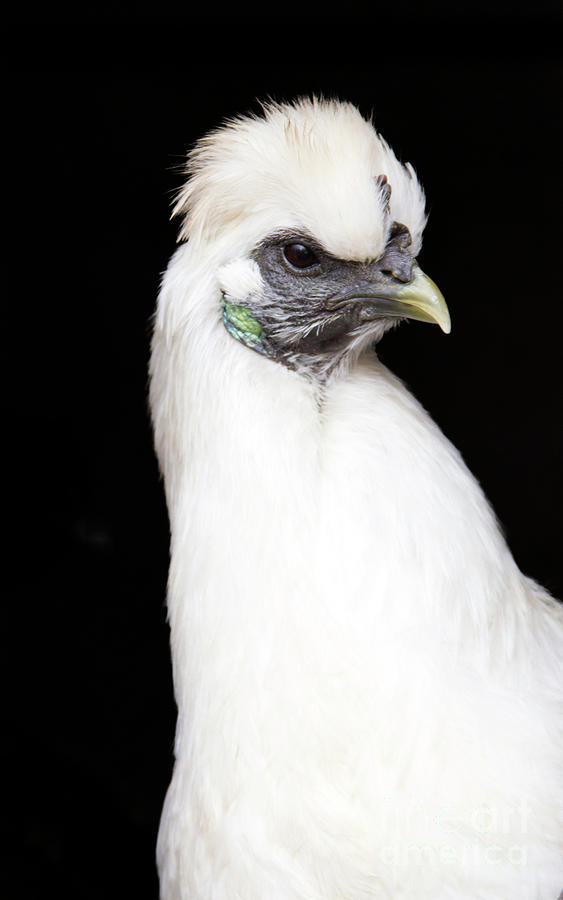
(421, 299)
(390, 298)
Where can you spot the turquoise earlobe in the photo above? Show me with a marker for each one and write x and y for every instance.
(244, 326)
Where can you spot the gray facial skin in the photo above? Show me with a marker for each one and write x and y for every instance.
(316, 307)
(310, 316)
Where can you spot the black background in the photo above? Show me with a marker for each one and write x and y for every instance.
(100, 115)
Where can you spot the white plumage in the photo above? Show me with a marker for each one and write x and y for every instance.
(369, 691)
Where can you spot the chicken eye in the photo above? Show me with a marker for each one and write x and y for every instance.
(299, 256)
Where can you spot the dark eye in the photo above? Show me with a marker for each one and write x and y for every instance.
(300, 256)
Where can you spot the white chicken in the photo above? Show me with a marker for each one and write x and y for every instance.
(369, 691)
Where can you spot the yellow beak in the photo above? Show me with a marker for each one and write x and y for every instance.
(421, 299)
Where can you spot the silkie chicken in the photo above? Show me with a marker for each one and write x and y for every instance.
(369, 691)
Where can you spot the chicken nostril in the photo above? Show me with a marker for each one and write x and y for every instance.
(392, 273)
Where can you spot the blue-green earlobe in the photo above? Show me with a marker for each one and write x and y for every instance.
(244, 326)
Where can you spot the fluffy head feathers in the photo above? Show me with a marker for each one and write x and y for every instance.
(312, 166)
